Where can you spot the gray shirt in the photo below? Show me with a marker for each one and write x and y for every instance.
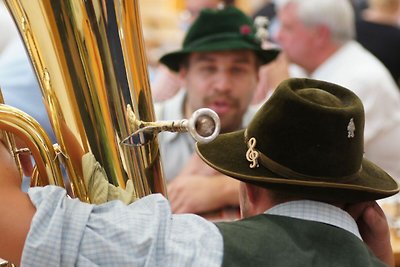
(175, 148)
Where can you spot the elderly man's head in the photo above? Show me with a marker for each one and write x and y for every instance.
(310, 29)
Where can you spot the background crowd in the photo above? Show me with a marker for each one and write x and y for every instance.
(353, 44)
(355, 48)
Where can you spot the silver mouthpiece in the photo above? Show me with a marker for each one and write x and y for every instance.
(204, 126)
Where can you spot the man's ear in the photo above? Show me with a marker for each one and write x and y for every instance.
(183, 70)
(323, 35)
(253, 193)
(182, 73)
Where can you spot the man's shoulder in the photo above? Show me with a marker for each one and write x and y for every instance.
(283, 240)
(370, 72)
(284, 228)
(357, 56)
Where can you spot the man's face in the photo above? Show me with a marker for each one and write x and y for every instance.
(297, 40)
(222, 81)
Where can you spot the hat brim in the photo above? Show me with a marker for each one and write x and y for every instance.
(173, 60)
(227, 154)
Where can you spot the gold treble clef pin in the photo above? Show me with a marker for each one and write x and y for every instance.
(251, 154)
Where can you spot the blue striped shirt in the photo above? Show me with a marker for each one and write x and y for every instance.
(67, 232)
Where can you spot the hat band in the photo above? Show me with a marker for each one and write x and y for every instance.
(217, 37)
(279, 168)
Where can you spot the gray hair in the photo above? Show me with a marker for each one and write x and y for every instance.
(337, 15)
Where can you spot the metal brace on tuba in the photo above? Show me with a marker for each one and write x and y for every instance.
(89, 59)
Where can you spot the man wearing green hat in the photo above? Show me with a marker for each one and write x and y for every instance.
(306, 196)
(218, 64)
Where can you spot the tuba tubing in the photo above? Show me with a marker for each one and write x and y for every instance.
(89, 59)
(13, 120)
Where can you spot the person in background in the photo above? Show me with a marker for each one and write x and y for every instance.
(218, 64)
(319, 36)
(20, 86)
(166, 83)
(268, 12)
(305, 191)
(359, 6)
(18, 83)
(7, 33)
(378, 30)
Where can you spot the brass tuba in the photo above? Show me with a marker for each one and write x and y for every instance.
(90, 63)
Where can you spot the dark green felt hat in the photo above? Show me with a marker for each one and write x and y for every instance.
(219, 30)
(307, 139)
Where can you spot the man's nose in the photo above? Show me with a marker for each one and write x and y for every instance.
(223, 82)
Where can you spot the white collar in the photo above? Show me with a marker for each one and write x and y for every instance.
(316, 211)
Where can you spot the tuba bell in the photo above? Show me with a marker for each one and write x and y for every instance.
(89, 59)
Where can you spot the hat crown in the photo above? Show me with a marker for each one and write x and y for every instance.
(306, 140)
(311, 131)
(216, 30)
(220, 23)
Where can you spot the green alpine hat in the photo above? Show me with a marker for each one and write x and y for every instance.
(219, 30)
(307, 139)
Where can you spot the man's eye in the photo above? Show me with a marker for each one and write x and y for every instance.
(238, 70)
(207, 69)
